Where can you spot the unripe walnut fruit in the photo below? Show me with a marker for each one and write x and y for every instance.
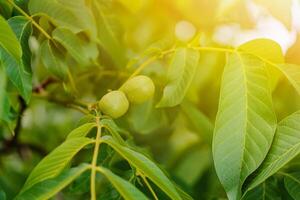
(138, 89)
(114, 104)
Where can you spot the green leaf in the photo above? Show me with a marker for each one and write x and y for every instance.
(59, 14)
(2, 195)
(268, 190)
(245, 123)
(55, 162)
(285, 147)
(8, 40)
(72, 43)
(180, 75)
(193, 164)
(156, 48)
(52, 61)
(5, 9)
(292, 184)
(17, 74)
(108, 34)
(4, 103)
(292, 73)
(114, 130)
(108, 192)
(18, 68)
(125, 188)
(48, 188)
(81, 131)
(23, 29)
(84, 15)
(201, 123)
(183, 194)
(144, 165)
(145, 118)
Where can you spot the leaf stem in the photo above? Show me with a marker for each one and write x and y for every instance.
(148, 185)
(65, 103)
(72, 82)
(94, 160)
(215, 49)
(31, 19)
(102, 72)
(153, 58)
(142, 66)
(78, 108)
(149, 61)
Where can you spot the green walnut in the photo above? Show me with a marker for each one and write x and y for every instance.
(114, 104)
(138, 89)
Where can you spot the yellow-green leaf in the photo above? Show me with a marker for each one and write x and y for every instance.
(8, 40)
(292, 73)
(72, 44)
(264, 48)
(4, 104)
(245, 123)
(133, 5)
(59, 14)
(81, 131)
(268, 190)
(125, 188)
(285, 147)
(180, 75)
(53, 61)
(48, 188)
(23, 30)
(55, 162)
(144, 165)
(109, 34)
(15, 71)
(19, 69)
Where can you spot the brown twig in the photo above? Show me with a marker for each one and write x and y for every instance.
(42, 86)
(18, 127)
(13, 143)
(9, 147)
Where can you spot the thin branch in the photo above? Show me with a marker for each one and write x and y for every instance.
(149, 61)
(69, 104)
(154, 58)
(20, 146)
(94, 160)
(43, 85)
(18, 127)
(102, 72)
(14, 144)
(142, 66)
(72, 82)
(148, 185)
(214, 49)
(78, 108)
(31, 19)
(39, 91)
